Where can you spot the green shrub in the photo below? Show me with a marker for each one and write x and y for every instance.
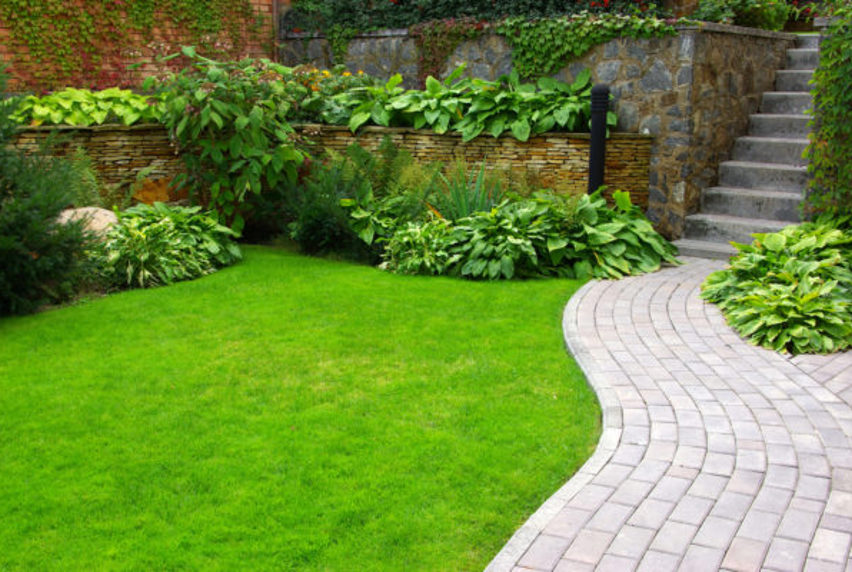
(159, 244)
(83, 107)
(790, 291)
(765, 14)
(230, 120)
(544, 236)
(41, 260)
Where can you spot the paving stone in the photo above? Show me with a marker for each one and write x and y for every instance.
(545, 552)
(744, 554)
(830, 545)
(716, 532)
(652, 513)
(632, 541)
(786, 554)
(701, 559)
(654, 561)
(692, 509)
(589, 546)
(674, 537)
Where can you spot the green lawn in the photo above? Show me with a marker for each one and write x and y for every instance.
(287, 413)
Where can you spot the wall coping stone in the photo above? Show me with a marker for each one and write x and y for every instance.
(736, 30)
(101, 127)
(320, 127)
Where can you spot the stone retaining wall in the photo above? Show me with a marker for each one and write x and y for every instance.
(558, 160)
(555, 160)
(692, 92)
(119, 154)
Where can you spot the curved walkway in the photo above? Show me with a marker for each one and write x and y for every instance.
(715, 454)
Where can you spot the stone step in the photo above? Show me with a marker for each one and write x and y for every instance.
(793, 80)
(726, 228)
(809, 41)
(768, 125)
(768, 176)
(704, 249)
(786, 102)
(752, 203)
(802, 59)
(786, 151)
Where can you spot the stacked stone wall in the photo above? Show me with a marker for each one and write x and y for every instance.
(557, 160)
(140, 157)
(692, 93)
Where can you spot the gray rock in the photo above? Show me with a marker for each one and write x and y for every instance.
(658, 78)
(650, 125)
(97, 220)
(607, 72)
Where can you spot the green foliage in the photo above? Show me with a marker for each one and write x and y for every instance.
(230, 120)
(92, 41)
(317, 16)
(41, 259)
(157, 245)
(82, 107)
(830, 149)
(542, 47)
(463, 194)
(765, 14)
(473, 106)
(790, 291)
(544, 236)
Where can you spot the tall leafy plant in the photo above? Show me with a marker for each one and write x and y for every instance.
(230, 120)
(830, 149)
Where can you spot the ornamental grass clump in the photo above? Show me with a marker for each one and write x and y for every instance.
(790, 291)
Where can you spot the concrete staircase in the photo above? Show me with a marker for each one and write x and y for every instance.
(761, 187)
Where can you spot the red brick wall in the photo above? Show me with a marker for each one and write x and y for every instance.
(26, 74)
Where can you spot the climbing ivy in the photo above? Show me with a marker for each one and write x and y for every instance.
(91, 42)
(437, 40)
(830, 149)
(542, 47)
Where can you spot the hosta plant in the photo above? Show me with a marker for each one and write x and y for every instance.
(159, 244)
(82, 107)
(790, 291)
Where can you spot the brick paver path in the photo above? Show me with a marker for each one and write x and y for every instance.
(715, 454)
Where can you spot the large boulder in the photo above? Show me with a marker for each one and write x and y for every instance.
(97, 220)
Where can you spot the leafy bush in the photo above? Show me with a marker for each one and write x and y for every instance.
(83, 107)
(231, 122)
(159, 244)
(765, 14)
(473, 106)
(830, 187)
(41, 260)
(544, 236)
(790, 291)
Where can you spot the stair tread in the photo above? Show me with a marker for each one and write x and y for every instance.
(774, 139)
(744, 191)
(778, 166)
(704, 248)
(739, 220)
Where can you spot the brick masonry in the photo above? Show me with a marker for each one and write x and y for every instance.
(692, 92)
(556, 160)
(137, 48)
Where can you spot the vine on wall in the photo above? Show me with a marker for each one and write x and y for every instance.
(93, 42)
(830, 149)
(438, 39)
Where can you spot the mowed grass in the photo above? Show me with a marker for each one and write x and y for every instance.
(287, 413)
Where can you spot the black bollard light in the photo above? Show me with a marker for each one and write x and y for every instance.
(597, 148)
